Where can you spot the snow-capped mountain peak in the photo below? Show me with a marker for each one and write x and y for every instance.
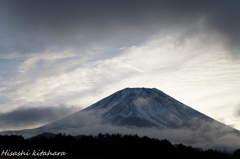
(144, 107)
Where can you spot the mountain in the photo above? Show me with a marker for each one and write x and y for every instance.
(50, 135)
(45, 135)
(143, 111)
(139, 107)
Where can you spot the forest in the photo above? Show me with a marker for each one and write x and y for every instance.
(104, 146)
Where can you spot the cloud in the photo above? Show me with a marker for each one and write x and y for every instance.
(203, 134)
(24, 117)
(201, 137)
(141, 102)
(236, 110)
(53, 77)
(31, 26)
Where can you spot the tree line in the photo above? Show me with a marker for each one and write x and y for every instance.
(106, 146)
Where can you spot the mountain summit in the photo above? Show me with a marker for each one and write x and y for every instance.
(144, 107)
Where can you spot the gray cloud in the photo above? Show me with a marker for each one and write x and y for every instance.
(207, 135)
(236, 111)
(32, 26)
(23, 117)
(201, 134)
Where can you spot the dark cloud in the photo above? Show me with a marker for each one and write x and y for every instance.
(23, 117)
(32, 26)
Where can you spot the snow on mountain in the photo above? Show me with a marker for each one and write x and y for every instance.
(144, 107)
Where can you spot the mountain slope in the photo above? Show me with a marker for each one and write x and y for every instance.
(144, 107)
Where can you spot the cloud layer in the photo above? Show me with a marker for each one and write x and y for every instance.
(198, 133)
(33, 26)
(22, 118)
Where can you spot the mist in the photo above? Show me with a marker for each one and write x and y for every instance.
(201, 134)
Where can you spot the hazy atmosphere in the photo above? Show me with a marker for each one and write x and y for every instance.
(60, 56)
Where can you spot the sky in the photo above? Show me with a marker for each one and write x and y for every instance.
(60, 56)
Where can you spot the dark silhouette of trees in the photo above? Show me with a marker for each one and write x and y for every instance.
(106, 146)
